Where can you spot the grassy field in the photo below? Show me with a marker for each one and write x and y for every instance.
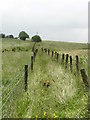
(66, 97)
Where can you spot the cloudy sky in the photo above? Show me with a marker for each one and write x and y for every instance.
(63, 20)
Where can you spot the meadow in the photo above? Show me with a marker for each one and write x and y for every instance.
(66, 97)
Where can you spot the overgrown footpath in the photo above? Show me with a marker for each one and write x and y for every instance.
(65, 97)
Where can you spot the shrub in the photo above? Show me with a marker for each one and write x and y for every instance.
(9, 36)
(2, 35)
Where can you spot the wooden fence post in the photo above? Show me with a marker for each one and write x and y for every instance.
(34, 55)
(57, 56)
(31, 62)
(66, 60)
(42, 49)
(48, 52)
(84, 77)
(32, 49)
(52, 53)
(45, 49)
(77, 62)
(71, 63)
(26, 77)
(63, 58)
(36, 51)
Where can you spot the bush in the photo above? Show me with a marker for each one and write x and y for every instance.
(9, 36)
(36, 38)
(23, 35)
(2, 35)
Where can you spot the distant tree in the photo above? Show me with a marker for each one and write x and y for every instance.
(10, 36)
(23, 35)
(2, 35)
(16, 37)
(36, 38)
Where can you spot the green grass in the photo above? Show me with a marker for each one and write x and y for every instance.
(66, 97)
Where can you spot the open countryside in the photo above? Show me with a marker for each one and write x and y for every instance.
(45, 79)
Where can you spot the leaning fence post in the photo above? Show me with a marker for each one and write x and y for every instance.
(84, 77)
(26, 76)
(31, 62)
(66, 61)
(77, 62)
(71, 63)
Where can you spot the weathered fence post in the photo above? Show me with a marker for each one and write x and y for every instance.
(48, 52)
(77, 62)
(52, 53)
(31, 62)
(26, 76)
(62, 58)
(66, 60)
(84, 77)
(32, 49)
(34, 55)
(36, 51)
(45, 49)
(57, 56)
(42, 49)
(71, 63)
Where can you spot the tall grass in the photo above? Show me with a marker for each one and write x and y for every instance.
(66, 96)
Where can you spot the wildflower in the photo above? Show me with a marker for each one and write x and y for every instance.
(54, 114)
(44, 113)
(50, 108)
(36, 116)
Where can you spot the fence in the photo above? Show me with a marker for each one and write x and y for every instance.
(68, 62)
(12, 98)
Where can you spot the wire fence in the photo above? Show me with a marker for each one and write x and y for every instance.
(77, 65)
(12, 98)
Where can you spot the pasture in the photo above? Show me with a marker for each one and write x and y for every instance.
(66, 96)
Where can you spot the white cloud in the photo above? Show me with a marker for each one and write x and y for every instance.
(51, 16)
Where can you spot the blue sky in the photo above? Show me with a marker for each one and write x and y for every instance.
(61, 20)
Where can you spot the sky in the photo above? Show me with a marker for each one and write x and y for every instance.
(60, 20)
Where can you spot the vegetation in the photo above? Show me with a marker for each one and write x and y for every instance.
(36, 38)
(9, 36)
(2, 35)
(23, 35)
(66, 97)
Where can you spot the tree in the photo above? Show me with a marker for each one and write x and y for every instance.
(2, 35)
(36, 38)
(9, 36)
(23, 35)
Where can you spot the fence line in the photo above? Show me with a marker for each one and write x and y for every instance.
(24, 77)
(77, 64)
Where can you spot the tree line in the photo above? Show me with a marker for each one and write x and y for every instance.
(23, 36)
